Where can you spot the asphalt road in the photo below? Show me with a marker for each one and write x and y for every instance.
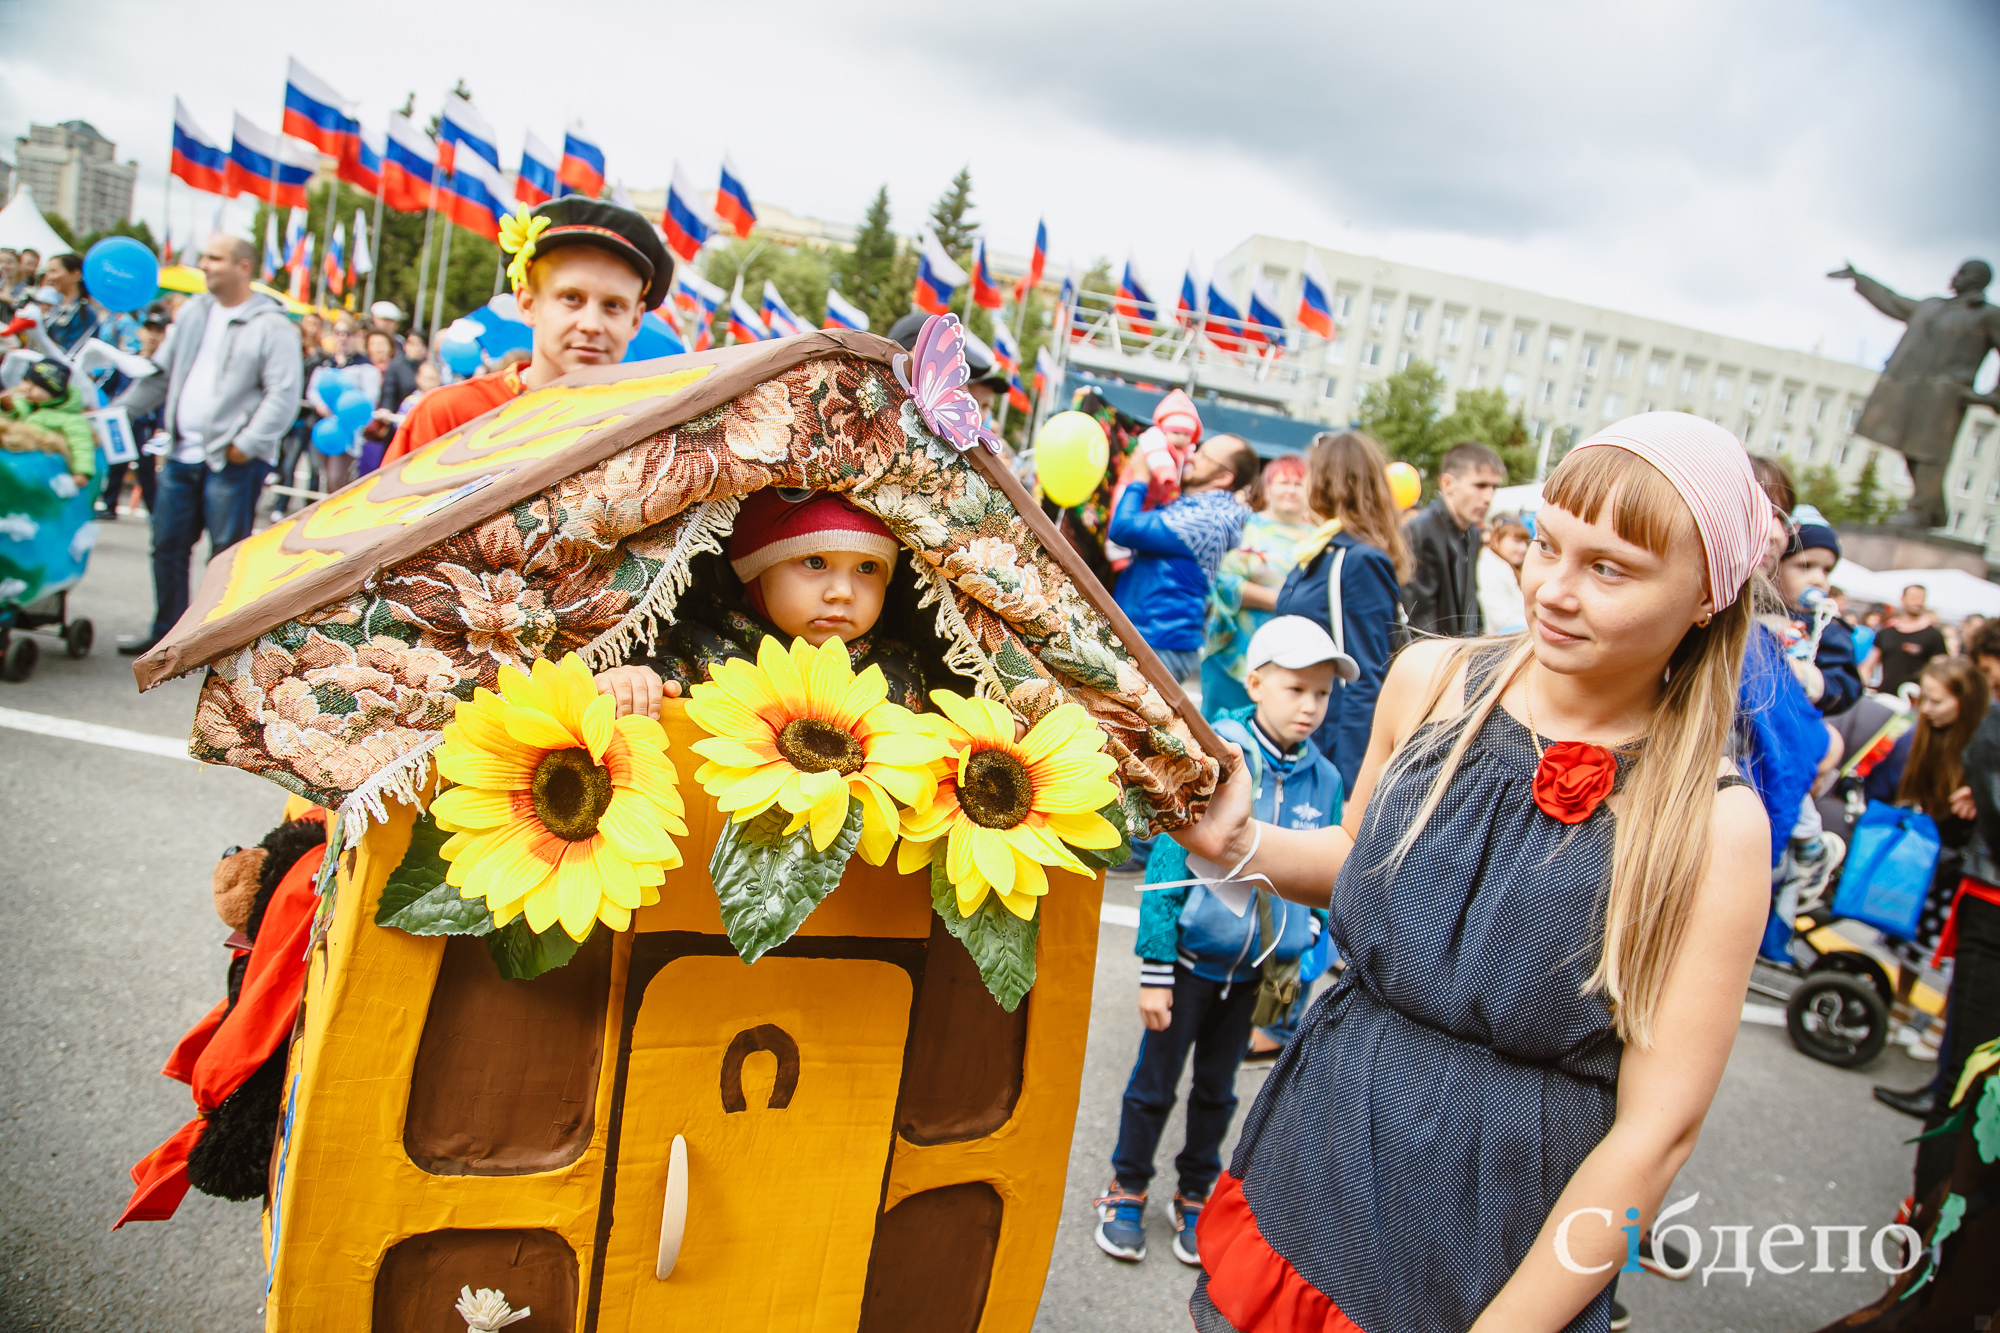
(109, 952)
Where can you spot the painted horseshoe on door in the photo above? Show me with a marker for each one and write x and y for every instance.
(763, 1037)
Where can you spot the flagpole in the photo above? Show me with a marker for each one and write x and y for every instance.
(424, 260)
(375, 259)
(326, 239)
(437, 286)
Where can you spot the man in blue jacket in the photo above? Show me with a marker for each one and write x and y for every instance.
(1177, 547)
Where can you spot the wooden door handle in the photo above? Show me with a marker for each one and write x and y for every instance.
(673, 1215)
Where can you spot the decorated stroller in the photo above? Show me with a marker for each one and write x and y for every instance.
(867, 1126)
(46, 536)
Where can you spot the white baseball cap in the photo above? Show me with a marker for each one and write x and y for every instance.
(1294, 642)
(385, 310)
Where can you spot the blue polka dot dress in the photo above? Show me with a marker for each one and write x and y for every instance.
(1415, 1135)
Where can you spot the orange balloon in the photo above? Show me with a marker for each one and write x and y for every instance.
(1405, 483)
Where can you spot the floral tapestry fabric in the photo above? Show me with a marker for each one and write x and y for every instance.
(332, 701)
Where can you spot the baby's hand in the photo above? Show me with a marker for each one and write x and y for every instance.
(638, 689)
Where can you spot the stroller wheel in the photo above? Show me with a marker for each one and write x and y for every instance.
(19, 663)
(77, 636)
(1837, 1019)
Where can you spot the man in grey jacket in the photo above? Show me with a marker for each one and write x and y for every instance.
(231, 389)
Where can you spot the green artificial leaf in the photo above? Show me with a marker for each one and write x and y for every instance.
(521, 954)
(1986, 1129)
(767, 883)
(1001, 944)
(1084, 662)
(1949, 1218)
(1107, 857)
(417, 900)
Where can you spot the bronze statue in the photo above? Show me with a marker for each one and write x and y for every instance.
(1920, 400)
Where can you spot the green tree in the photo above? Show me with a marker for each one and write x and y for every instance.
(138, 231)
(951, 217)
(800, 275)
(1871, 503)
(1403, 412)
(1820, 487)
(872, 274)
(1483, 415)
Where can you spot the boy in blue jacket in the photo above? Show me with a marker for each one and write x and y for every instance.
(1202, 950)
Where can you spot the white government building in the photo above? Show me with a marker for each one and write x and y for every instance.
(1572, 367)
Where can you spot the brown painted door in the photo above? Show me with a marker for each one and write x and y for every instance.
(782, 1079)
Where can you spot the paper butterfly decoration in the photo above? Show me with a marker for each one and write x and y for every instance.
(941, 373)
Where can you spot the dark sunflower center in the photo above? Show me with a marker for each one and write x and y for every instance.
(814, 746)
(996, 790)
(570, 793)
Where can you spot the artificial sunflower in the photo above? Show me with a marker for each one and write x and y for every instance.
(799, 730)
(562, 810)
(1006, 808)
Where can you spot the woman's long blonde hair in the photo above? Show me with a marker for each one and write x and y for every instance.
(1660, 839)
(1347, 478)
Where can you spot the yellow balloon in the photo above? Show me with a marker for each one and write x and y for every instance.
(1070, 457)
(1405, 483)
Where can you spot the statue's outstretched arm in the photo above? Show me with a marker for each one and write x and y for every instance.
(1890, 303)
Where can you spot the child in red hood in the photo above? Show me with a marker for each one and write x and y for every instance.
(1157, 458)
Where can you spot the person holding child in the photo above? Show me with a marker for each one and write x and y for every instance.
(1210, 958)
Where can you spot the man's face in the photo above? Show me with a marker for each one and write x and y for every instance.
(1469, 494)
(1913, 601)
(228, 277)
(1210, 464)
(583, 305)
(381, 348)
(346, 338)
(415, 348)
(29, 262)
(1972, 278)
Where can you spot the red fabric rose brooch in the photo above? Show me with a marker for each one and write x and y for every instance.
(1573, 779)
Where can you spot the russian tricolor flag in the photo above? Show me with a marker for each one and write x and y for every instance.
(938, 276)
(335, 263)
(274, 258)
(269, 166)
(698, 299)
(364, 170)
(461, 123)
(1224, 325)
(1315, 306)
(473, 195)
(301, 289)
(1066, 304)
(1036, 262)
(1017, 397)
(1135, 304)
(536, 182)
(196, 159)
(409, 167)
(1265, 324)
(317, 114)
(778, 316)
(985, 291)
(1046, 373)
(687, 230)
(1188, 309)
(298, 241)
(744, 326)
(842, 313)
(1006, 352)
(732, 200)
(582, 166)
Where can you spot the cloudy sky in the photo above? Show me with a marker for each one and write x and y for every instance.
(1704, 161)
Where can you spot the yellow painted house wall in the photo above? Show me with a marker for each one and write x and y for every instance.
(346, 1189)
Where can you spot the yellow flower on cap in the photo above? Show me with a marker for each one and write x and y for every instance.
(517, 237)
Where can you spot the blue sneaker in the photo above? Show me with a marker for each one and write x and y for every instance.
(1187, 1212)
(1121, 1223)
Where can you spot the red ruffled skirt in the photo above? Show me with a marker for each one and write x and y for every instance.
(1250, 1283)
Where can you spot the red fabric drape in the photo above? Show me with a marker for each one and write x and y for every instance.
(225, 1049)
(1251, 1283)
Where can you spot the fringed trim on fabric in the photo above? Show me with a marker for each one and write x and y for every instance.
(705, 530)
(402, 780)
(963, 653)
(1250, 1283)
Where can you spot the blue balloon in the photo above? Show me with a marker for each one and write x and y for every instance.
(121, 273)
(462, 357)
(352, 409)
(330, 437)
(332, 384)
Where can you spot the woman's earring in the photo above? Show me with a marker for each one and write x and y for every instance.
(1703, 622)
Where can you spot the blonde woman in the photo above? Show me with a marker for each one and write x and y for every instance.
(1548, 887)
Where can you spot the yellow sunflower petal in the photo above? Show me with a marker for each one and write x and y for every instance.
(749, 792)
(863, 692)
(576, 692)
(1030, 879)
(970, 892)
(597, 729)
(912, 855)
(631, 824)
(541, 906)
(1073, 798)
(907, 749)
(578, 890)
(492, 771)
(783, 675)
(480, 728)
(804, 791)
(827, 672)
(933, 820)
(912, 786)
(719, 714)
(733, 753)
(992, 854)
(878, 821)
(519, 688)
(1091, 830)
(618, 879)
(973, 716)
(532, 727)
(828, 814)
(472, 808)
(643, 731)
(1020, 904)
(1056, 731)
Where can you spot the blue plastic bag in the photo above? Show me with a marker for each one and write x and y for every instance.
(1891, 861)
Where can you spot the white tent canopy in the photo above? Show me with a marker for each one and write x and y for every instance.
(1952, 593)
(22, 227)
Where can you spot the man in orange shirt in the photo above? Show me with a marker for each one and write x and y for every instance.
(583, 280)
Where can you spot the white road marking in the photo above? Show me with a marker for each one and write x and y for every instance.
(116, 737)
(1117, 914)
(1769, 1016)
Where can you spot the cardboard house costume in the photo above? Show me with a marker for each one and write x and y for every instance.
(865, 1126)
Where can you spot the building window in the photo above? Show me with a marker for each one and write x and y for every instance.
(1621, 365)
(1842, 455)
(1403, 358)
(1474, 375)
(1850, 418)
(1614, 406)
(1581, 398)
(1993, 492)
(1958, 522)
(1985, 531)
(1809, 447)
(1519, 345)
(1656, 374)
(1786, 402)
(1536, 429)
(1378, 314)
(1557, 349)
(1372, 355)
(1648, 406)
(1483, 336)
(1510, 384)
(1724, 386)
(1545, 392)
(1753, 397)
(1444, 368)
(1413, 321)
(1343, 306)
(1690, 376)
(1819, 411)
(1964, 487)
(1979, 441)
(1331, 389)
(1587, 358)
(1778, 443)
(1448, 330)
